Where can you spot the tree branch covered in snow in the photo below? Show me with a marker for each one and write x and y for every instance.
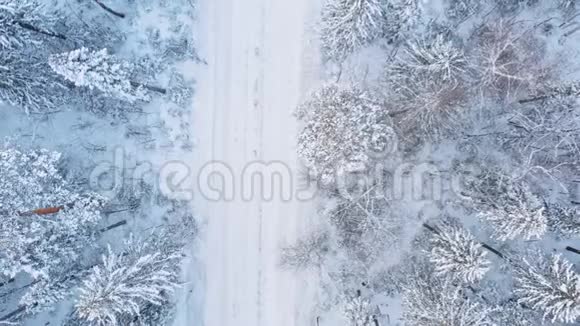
(27, 83)
(99, 69)
(551, 286)
(21, 20)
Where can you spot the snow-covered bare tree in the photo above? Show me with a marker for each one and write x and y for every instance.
(456, 253)
(506, 61)
(363, 225)
(99, 69)
(549, 285)
(124, 283)
(309, 251)
(426, 84)
(345, 129)
(431, 301)
(348, 25)
(428, 108)
(507, 205)
(564, 221)
(545, 134)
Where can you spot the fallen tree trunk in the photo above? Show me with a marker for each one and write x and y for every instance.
(109, 10)
(40, 31)
(43, 211)
(574, 250)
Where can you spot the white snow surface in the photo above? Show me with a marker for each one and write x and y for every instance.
(260, 65)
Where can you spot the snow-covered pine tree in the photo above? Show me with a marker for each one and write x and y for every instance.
(508, 205)
(432, 301)
(43, 294)
(99, 69)
(549, 285)
(116, 292)
(38, 244)
(345, 128)
(564, 221)
(348, 25)
(28, 83)
(437, 58)
(456, 253)
(524, 218)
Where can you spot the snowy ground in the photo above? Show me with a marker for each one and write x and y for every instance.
(258, 70)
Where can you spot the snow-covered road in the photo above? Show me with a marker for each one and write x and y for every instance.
(256, 74)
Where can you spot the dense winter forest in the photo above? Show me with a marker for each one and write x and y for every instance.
(91, 92)
(445, 143)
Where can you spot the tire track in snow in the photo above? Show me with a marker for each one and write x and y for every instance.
(248, 92)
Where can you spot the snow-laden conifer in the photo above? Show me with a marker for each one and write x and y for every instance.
(126, 283)
(551, 286)
(100, 70)
(457, 253)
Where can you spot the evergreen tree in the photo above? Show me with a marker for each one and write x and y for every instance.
(507, 205)
(430, 301)
(551, 286)
(457, 253)
(33, 242)
(127, 283)
(350, 24)
(99, 69)
(564, 221)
